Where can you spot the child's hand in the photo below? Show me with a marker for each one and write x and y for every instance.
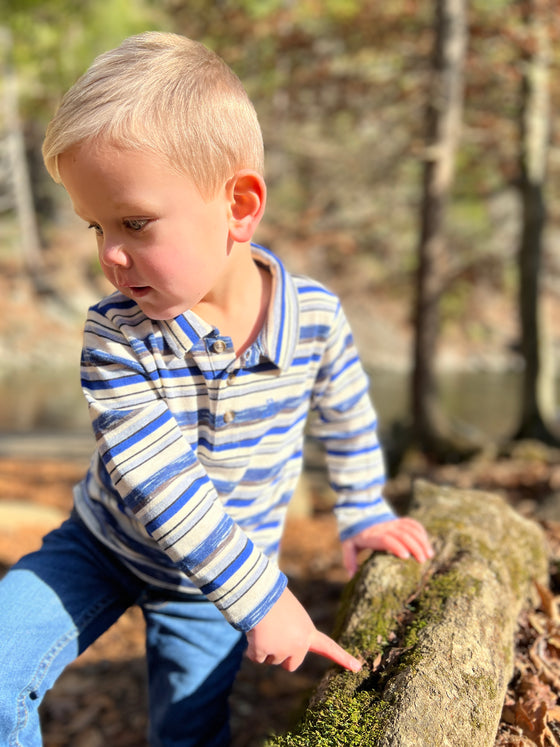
(287, 633)
(401, 537)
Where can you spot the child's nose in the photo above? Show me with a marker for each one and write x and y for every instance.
(114, 253)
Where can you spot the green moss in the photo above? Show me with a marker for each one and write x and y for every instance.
(453, 583)
(369, 638)
(482, 683)
(352, 712)
(378, 615)
(357, 720)
(518, 573)
(429, 609)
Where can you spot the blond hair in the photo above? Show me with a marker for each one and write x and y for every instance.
(166, 94)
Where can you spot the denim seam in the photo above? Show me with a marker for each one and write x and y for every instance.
(35, 683)
(36, 680)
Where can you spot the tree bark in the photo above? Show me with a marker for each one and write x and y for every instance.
(443, 122)
(534, 125)
(437, 640)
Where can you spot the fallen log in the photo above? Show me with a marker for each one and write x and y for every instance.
(437, 640)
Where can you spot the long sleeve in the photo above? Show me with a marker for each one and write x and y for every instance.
(346, 423)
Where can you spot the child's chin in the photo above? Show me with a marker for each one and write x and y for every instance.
(159, 314)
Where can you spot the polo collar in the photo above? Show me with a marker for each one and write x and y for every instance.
(277, 339)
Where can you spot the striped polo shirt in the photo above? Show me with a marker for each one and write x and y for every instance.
(198, 451)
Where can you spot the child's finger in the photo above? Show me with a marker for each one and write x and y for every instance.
(416, 540)
(418, 550)
(324, 646)
(422, 537)
(393, 543)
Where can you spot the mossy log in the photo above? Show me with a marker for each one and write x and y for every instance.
(437, 639)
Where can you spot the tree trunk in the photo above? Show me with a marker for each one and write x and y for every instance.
(538, 379)
(443, 121)
(438, 639)
(18, 176)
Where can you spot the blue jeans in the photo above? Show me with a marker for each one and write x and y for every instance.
(55, 602)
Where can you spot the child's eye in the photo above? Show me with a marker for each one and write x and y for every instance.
(136, 224)
(97, 228)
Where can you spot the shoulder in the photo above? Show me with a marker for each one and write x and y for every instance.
(118, 317)
(312, 293)
(319, 308)
(116, 307)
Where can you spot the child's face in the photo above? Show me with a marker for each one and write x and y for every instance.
(159, 241)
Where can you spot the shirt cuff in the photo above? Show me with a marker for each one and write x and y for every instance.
(240, 580)
(352, 520)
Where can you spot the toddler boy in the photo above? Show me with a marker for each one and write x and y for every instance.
(200, 372)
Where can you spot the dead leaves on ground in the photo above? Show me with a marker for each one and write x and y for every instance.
(531, 714)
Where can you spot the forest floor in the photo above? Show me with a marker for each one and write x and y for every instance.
(100, 701)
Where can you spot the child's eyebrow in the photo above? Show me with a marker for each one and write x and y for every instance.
(123, 211)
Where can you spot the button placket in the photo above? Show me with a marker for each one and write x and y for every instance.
(229, 415)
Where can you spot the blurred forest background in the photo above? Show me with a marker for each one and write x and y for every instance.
(413, 163)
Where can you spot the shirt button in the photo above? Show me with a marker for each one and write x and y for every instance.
(229, 416)
(219, 346)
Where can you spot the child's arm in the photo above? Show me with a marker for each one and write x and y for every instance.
(346, 423)
(402, 537)
(286, 634)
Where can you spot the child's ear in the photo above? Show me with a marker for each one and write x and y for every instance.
(247, 197)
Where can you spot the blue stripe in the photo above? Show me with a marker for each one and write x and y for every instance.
(136, 437)
(365, 523)
(235, 565)
(354, 452)
(137, 497)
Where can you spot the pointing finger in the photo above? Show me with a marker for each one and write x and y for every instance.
(324, 646)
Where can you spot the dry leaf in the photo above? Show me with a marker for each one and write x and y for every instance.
(536, 623)
(548, 602)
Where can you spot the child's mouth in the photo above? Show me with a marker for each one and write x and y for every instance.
(138, 290)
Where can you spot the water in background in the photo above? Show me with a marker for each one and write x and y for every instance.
(54, 404)
(488, 401)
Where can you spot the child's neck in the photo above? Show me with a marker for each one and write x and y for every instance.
(241, 316)
(247, 330)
